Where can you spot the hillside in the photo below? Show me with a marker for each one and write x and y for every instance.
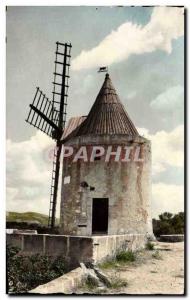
(31, 217)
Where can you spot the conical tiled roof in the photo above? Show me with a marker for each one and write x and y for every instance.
(107, 115)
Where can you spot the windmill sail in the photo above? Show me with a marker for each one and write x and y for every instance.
(60, 94)
(42, 114)
(61, 78)
(50, 116)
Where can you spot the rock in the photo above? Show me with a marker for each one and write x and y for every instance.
(90, 275)
(84, 268)
(97, 277)
(102, 277)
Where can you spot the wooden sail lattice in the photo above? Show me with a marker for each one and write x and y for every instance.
(50, 116)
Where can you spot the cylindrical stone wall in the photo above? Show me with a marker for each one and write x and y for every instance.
(127, 185)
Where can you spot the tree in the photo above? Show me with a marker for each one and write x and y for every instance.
(166, 216)
(169, 223)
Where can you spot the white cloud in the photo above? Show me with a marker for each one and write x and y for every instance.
(167, 151)
(166, 24)
(28, 157)
(131, 95)
(167, 197)
(87, 84)
(170, 100)
(167, 148)
(29, 167)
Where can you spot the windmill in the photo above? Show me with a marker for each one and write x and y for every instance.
(49, 116)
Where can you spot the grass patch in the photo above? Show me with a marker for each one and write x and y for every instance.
(109, 264)
(90, 284)
(117, 282)
(156, 255)
(125, 256)
(149, 246)
(122, 257)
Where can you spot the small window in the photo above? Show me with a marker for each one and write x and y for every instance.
(84, 184)
(67, 180)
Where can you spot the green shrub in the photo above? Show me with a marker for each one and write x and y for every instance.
(26, 272)
(121, 257)
(149, 246)
(125, 256)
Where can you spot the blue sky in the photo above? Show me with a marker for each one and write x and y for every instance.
(144, 50)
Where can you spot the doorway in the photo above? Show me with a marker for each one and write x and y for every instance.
(100, 216)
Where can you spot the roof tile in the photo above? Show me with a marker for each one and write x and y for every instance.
(107, 116)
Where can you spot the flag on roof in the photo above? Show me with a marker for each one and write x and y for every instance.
(103, 69)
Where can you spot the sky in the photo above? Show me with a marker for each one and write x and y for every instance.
(143, 48)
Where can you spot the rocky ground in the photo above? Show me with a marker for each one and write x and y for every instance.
(160, 271)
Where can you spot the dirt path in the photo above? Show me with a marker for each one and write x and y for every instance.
(160, 271)
(155, 276)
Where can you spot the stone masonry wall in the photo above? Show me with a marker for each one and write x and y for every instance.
(126, 184)
(106, 247)
(76, 249)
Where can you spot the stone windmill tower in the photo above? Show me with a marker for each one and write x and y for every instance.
(102, 197)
